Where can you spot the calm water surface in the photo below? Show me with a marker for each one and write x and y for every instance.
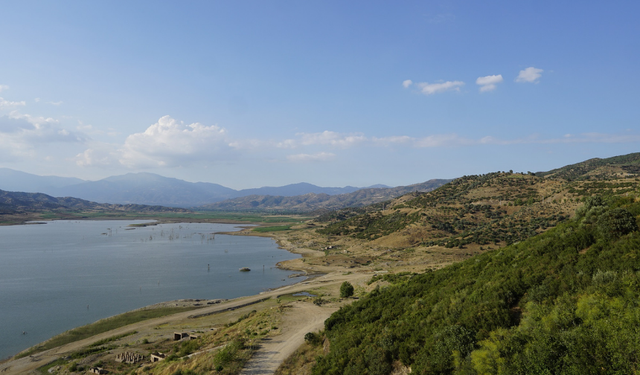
(63, 274)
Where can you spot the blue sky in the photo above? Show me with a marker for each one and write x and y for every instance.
(335, 93)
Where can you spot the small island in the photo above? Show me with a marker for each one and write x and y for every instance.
(245, 269)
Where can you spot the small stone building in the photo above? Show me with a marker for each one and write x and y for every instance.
(157, 357)
(179, 335)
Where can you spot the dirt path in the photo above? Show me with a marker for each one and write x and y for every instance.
(29, 364)
(302, 318)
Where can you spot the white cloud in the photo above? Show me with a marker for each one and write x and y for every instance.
(37, 100)
(324, 138)
(22, 136)
(35, 120)
(441, 140)
(56, 103)
(488, 83)
(9, 104)
(250, 144)
(436, 140)
(172, 143)
(406, 83)
(433, 88)
(4, 87)
(453, 140)
(392, 140)
(530, 74)
(99, 155)
(320, 156)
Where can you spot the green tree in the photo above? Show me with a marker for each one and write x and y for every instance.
(346, 289)
(617, 222)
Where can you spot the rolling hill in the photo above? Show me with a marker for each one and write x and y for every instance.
(493, 209)
(17, 204)
(541, 276)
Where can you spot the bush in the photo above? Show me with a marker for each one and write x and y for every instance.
(312, 338)
(616, 223)
(229, 353)
(346, 290)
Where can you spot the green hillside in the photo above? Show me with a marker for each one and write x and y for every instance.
(492, 209)
(563, 302)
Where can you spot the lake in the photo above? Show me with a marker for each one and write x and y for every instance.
(63, 274)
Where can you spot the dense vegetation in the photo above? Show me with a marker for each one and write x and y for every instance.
(564, 302)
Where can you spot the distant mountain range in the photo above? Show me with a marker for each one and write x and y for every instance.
(150, 189)
(319, 202)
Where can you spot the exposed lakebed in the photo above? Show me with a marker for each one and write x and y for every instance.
(63, 274)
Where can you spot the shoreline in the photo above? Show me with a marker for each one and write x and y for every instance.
(242, 231)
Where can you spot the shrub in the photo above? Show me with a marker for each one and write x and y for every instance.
(616, 223)
(346, 290)
(312, 338)
(229, 353)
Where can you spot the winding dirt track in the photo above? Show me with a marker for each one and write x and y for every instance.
(29, 364)
(302, 318)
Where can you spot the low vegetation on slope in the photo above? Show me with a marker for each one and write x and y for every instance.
(598, 169)
(498, 208)
(563, 302)
(486, 209)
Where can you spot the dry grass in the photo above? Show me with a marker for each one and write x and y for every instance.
(300, 362)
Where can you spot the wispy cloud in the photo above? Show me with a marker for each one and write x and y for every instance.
(454, 140)
(328, 138)
(320, 156)
(434, 88)
(21, 136)
(488, 83)
(530, 74)
(4, 104)
(172, 143)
